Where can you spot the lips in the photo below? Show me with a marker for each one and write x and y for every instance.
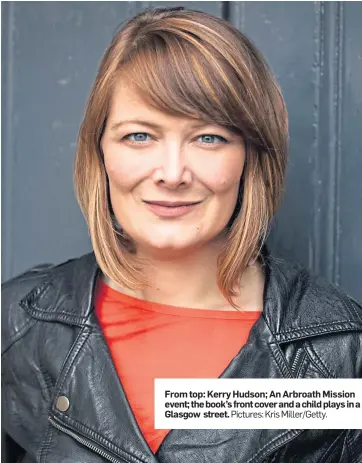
(171, 209)
(172, 203)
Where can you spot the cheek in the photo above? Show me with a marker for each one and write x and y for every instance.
(224, 176)
(124, 172)
(226, 182)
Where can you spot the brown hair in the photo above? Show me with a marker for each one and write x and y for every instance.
(205, 68)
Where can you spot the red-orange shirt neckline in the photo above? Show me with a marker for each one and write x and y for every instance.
(149, 340)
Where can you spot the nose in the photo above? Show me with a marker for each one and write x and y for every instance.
(172, 171)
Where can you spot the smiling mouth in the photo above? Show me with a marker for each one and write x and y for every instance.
(173, 203)
(171, 209)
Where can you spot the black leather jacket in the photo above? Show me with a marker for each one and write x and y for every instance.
(53, 348)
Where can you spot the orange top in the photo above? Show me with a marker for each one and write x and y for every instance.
(148, 340)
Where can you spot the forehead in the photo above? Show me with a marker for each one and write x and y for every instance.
(126, 101)
(129, 104)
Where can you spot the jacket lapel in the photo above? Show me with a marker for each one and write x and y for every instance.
(255, 360)
(98, 407)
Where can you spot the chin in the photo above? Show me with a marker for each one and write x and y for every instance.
(167, 248)
(172, 242)
(168, 245)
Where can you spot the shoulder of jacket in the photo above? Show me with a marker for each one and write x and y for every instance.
(302, 304)
(29, 285)
(312, 317)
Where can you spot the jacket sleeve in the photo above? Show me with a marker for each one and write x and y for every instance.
(18, 369)
(11, 452)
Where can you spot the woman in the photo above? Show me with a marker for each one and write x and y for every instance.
(179, 170)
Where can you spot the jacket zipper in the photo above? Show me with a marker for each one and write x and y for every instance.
(87, 443)
(298, 359)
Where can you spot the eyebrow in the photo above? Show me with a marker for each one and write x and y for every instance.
(152, 124)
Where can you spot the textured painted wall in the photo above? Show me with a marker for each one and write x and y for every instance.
(50, 53)
(318, 62)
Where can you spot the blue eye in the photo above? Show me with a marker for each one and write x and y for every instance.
(138, 139)
(209, 137)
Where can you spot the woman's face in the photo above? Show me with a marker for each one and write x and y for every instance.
(173, 181)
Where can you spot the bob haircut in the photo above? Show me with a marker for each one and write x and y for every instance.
(186, 62)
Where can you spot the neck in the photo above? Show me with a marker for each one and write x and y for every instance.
(190, 281)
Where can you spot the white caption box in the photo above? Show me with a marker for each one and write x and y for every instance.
(258, 403)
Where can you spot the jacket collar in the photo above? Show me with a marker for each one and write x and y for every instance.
(296, 304)
(65, 293)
